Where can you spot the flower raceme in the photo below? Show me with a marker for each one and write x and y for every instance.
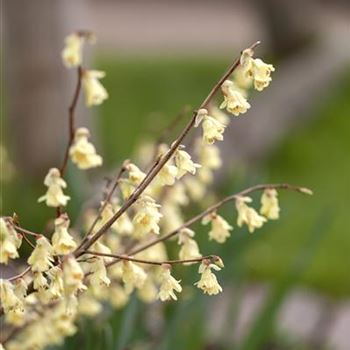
(258, 70)
(208, 281)
(248, 215)
(168, 285)
(10, 242)
(269, 204)
(54, 196)
(82, 152)
(220, 228)
(62, 242)
(95, 93)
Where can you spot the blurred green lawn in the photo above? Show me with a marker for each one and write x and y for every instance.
(145, 93)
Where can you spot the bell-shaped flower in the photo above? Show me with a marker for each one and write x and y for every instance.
(208, 281)
(248, 215)
(54, 196)
(257, 69)
(98, 275)
(9, 300)
(147, 217)
(95, 93)
(189, 247)
(133, 276)
(41, 258)
(184, 164)
(135, 174)
(167, 175)
(220, 228)
(83, 152)
(10, 241)
(269, 204)
(62, 242)
(168, 285)
(212, 130)
(234, 101)
(72, 52)
(56, 286)
(73, 276)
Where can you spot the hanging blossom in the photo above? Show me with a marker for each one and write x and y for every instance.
(248, 215)
(42, 256)
(56, 287)
(208, 281)
(82, 152)
(10, 302)
(135, 174)
(220, 228)
(209, 155)
(62, 242)
(168, 284)
(269, 204)
(184, 163)
(54, 196)
(10, 242)
(133, 276)
(234, 101)
(219, 115)
(99, 274)
(212, 129)
(167, 175)
(73, 276)
(72, 52)
(95, 93)
(257, 69)
(189, 247)
(147, 217)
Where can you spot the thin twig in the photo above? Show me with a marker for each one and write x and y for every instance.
(152, 262)
(212, 209)
(20, 275)
(90, 240)
(24, 231)
(71, 126)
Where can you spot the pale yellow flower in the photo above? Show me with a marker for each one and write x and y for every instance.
(212, 130)
(220, 228)
(177, 194)
(123, 225)
(209, 155)
(73, 276)
(95, 93)
(83, 152)
(234, 101)
(258, 70)
(167, 175)
(147, 217)
(99, 273)
(72, 52)
(9, 300)
(208, 281)
(41, 258)
(205, 175)
(56, 286)
(101, 248)
(172, 216)
(118, 296)
(184, 164)
(135, 174)
(39, 281)
(269, 204)
(62, 242)
(89, 306)
(195, 188)
(10, 241)
(248, 215)
(20, 288)
(189, 247)
(133, 276)
(148, 292)
(168, 285)
(54, 196)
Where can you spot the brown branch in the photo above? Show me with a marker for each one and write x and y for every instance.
(71, 126)
(152, 262)
(90, 240)
(212, 209)
(20, 275)
(107, 199)
(24, 231)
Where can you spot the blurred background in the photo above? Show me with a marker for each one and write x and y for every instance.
(288, 285)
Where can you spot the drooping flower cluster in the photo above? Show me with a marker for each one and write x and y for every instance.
(121, 247)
